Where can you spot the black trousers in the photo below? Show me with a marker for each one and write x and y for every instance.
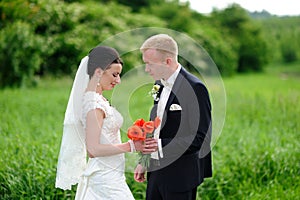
(157, 191)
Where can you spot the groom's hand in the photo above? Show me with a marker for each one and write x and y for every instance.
(150, 146)
(139, 174)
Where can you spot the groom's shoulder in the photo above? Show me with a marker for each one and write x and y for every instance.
(193, 79)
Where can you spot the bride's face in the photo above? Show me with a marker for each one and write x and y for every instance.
(111, 77)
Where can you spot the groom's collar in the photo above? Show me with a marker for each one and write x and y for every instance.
(171, 80)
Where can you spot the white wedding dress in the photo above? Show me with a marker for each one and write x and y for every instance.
(104, 178)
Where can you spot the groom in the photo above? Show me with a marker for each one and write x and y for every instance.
(183, 156)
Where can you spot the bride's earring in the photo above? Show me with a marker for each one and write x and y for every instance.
(98, 82)
(99, 74)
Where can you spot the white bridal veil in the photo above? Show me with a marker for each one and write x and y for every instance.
(72, 157)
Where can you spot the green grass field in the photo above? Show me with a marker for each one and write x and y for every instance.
(257, 155)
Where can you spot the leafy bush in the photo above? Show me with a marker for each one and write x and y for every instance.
(62, 32)
(252, 51)
(250, 47)
(283, 38)
(220, 47)
(20, 55)
(289, 49)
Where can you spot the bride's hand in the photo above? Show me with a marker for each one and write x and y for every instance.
(139, 145)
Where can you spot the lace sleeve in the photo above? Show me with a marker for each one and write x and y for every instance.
(91, 101)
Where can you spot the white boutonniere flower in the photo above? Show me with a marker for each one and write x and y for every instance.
(154, 92)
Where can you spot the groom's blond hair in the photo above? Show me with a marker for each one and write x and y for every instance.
(163, 43)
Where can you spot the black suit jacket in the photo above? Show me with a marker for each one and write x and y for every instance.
(185, 136)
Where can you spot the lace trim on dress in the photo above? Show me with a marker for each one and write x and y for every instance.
(91, 101)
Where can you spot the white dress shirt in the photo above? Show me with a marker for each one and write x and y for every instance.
(164, 96)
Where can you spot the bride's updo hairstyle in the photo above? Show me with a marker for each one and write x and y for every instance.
(102, 57)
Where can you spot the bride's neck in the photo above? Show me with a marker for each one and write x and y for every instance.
(93, 86)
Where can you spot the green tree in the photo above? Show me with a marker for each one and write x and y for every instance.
(137, 5)
(20, 55)
(250, 46)
(177, 15)
(283, 37)
(219, 46)
(252, 52)
(289, 50)
(67, 30)
(16, 10)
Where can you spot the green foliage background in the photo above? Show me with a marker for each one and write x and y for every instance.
(42, 37)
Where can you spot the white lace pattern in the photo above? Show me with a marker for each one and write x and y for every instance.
(104, 176)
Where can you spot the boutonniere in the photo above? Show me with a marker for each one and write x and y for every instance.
(154, 92)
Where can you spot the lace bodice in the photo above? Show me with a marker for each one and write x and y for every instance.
(112, 121)
(110, 133)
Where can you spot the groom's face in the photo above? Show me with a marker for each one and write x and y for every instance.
(154, 64)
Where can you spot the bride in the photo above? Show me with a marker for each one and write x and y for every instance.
(92, 128)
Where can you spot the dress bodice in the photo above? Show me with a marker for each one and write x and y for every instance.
(110, 132)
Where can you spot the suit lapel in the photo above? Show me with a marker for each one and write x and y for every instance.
(175, 89)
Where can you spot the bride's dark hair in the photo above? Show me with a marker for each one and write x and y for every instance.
(102, 57)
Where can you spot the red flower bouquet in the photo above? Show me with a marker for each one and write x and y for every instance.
(141, 130)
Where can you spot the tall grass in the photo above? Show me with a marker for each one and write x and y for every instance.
(31, 124)
(256, 157)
